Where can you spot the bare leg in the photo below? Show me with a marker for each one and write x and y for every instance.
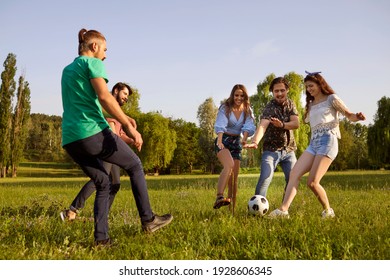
(230, 185)
(233, 183)
(227, 162)
(319, 168)
(301, 167)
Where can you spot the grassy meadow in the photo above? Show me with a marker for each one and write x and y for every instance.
(32, 230)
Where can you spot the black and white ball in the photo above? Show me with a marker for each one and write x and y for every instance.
(258, 205)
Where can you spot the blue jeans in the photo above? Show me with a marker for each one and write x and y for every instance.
(269, 161)
(107, 146)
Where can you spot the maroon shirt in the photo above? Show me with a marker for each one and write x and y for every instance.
(119, 131)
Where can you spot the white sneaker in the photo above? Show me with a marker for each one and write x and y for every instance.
(67, 215)
(279, 214)
(328, 213)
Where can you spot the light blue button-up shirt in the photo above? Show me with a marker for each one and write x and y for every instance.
(232, 125)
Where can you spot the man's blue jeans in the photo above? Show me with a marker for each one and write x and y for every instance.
(269, 161)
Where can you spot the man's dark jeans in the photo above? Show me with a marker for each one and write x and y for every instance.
(106, 146)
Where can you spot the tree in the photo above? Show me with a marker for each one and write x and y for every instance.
(159, 141)
(131, 108)
(263, 96)
(258, 102)
(352, 146)
(44, 139)
(345, 146)
(359, 158)
(7, 91)
(20, 121)
(207, 115)
(378, 138)
(302, 134)
(187, 152)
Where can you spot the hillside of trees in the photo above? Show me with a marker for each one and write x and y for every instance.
(174, 146)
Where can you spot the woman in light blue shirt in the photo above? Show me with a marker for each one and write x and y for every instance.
(234, 118)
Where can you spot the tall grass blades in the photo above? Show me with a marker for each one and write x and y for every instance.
(31, 228)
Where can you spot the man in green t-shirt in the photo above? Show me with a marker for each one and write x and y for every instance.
(121, 92)
(87, 138)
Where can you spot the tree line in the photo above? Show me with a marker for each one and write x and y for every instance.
(175, 146)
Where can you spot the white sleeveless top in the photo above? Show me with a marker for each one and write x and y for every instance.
(324, 116)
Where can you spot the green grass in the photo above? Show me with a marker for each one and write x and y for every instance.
(48, 170)
(31, 228)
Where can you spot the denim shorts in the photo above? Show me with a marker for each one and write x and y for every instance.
(326, 144)
(232, 143)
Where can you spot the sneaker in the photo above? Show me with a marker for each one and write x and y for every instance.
(157, 223)
(104, 243)
(221, 201)
(328, 213)
(67, 215)
(277, 213)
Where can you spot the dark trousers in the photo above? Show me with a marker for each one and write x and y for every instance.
(86, 191)
(106, 146)
(89, 188)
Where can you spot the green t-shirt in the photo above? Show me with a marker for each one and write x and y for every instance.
(82, 116)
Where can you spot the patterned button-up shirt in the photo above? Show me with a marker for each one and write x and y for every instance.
(276, 138)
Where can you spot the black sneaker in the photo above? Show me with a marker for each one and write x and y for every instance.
(103, 243)
(157, 223)
(221, 201)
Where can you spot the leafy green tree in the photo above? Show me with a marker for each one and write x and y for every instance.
(345, 146)
(7, 91)
(258, 102)
(359, 158)
(355, 155)
(207, 114)
(20, 121)
(378, 138)
(262, 97)
(44, 139)
(187, 151)
(352, 147)
(302, 134)
(159, 141)
(131, 108)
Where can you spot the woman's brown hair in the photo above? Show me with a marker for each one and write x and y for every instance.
(230, 101)
(320, 81)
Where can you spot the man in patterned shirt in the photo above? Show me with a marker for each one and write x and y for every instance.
(277, 122)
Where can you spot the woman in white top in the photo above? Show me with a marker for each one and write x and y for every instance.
(322, 109)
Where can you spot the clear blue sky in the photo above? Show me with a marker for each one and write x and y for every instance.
(179, 53)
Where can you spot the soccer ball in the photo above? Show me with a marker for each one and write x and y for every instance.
(258, 205)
